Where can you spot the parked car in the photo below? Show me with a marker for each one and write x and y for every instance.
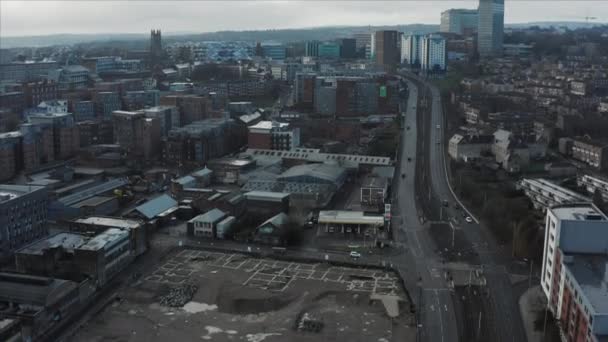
(355, 255)
(468, 219)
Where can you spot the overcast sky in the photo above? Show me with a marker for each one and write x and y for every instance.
(81, 16)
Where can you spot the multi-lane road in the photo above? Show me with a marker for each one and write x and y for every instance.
(425, 279)
(424, 267)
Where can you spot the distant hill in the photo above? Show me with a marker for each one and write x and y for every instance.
(283, 35)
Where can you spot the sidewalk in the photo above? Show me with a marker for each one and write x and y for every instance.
(529, 305)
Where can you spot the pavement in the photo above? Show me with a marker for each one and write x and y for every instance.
(530, 303)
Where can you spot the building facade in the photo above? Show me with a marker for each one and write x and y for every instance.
(459, 21)
(385, 49)
(433, 53)
(23, 213)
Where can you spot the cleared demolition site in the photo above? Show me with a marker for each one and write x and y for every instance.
(197, 295)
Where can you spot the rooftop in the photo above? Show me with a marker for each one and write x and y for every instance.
(266, 196)
(110, 222)
(68, 241)
(185, 180)
(213, 215)
(156, 206)
(9, 191)
(589, 271)
(350, 217)
(106, 240)
(578, 212)
(34, 290)
(202, 172)
(330, 173)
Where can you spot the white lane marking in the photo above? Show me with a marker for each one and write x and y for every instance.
(440, 317)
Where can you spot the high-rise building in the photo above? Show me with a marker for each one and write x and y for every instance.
(385, 49)
(363, 42)
(433, 53)
(24, 212)
(491, 27)
(329, 50)
(274, 50)
(411, 49)
(311, 49)
(156, 48)
(348, 48)
(460, 21)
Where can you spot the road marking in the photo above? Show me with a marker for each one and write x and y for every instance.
(440, 318)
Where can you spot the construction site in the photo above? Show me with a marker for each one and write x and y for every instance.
(195, 294)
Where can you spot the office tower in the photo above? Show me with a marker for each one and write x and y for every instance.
(385, 49)
(348, 48)
(460, 21)
(491, 27)
(311, 49)
(433, 54)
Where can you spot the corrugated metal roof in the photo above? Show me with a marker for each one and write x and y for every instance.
(330, 173)
(186, 180)
(202, 172)
(156, 206)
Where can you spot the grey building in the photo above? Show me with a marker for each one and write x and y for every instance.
(491, 27)
(23, 213)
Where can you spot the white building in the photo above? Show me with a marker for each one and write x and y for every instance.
(433, 53)
(411, 49)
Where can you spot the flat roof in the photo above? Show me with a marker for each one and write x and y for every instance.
(110, 222)
(68, 241)
(266, 196)
(555, 189)
(578, 212)
(589, 271)
(313, 155)
(350, 217)
(374, 182)
(9, 191)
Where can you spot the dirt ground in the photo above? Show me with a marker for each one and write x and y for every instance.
(240, 298)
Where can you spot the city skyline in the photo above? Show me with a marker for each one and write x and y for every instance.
(22, 18)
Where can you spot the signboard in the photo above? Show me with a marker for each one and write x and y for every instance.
(382, 91)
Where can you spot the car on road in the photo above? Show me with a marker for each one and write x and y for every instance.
(409, 159)
(310, 224)
(445, 203)
(438, 126)
(438, 142)
(408, 128)
(355, 255)
(468, 219)
(403, 175)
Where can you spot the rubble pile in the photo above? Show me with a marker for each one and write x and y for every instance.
(178, 296)
(307, 323)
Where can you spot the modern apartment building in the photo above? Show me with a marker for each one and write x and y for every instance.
(433, 53)
(574, 267)
(274, 136)
(411, 46)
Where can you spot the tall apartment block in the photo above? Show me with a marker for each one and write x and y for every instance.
(575, 261)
